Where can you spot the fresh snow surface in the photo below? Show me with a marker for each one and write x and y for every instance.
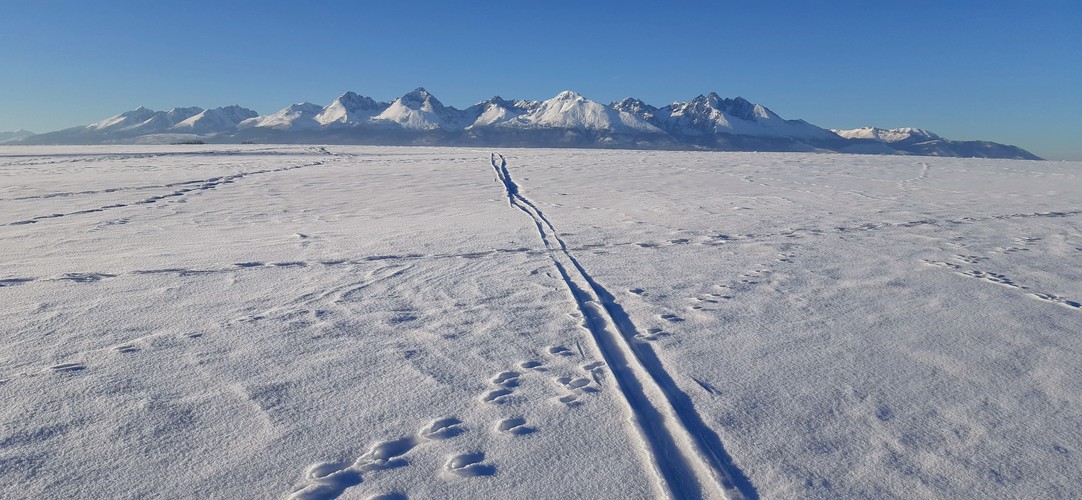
(316, 322)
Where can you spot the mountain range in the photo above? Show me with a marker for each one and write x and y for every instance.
(707, 122)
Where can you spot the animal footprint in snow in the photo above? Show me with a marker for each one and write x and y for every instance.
(388, 496)
(968, 259)
(671, 318)
(578, 385)
(325, 471)
(443, 428)
(573, 383)
(331, 479)
(67, 367)
(86, 277)
(559, 350)
(506, 379)
(515, 426)
(596, 365)
(1057, 299)
(14, 281)
(496, 396)
(652, 334)
(469, 465)
(532, 365)
(385, 455)
(569, 399)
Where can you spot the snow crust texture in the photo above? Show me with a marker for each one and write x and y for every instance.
(378, 322)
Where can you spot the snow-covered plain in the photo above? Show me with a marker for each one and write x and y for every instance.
(310, 322)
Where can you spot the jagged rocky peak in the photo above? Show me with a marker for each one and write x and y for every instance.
(180, 114)
(236, 113)
(421, 99)
(737, 106)
(351, 100)
(744, 109)
(636, 107)
(303, 107)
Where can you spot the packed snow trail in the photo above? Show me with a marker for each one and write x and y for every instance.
(685, 453)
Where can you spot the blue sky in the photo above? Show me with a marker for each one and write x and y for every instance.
(1006, 71)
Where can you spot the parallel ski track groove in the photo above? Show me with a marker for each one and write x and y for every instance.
(664, 416)
(195, 186)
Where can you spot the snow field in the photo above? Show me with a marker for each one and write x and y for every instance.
(320, 322)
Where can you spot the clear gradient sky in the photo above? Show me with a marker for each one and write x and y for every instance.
(1006, 71)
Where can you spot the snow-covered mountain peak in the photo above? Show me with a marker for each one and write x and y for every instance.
(892, 135)
(142, 120)
(215, 120)
(631, 103)
(707, 121)
(710, 114)
(296, 116)
(569, 95)
(14, 135)
(349, 109)
(420, 110)
(712, 104)
(351, 101)
(184, 113)
(125, 119)
(572, 111)
(302, 106)
(420, 99)
(636, 107)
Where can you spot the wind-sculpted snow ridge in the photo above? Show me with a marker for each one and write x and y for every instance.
(686, 454)
(706, 122)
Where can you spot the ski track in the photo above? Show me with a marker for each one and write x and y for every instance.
(716, 239)
(194, 186)
(257, 265)
(85, 157)
(687, 456)
(306, 304)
